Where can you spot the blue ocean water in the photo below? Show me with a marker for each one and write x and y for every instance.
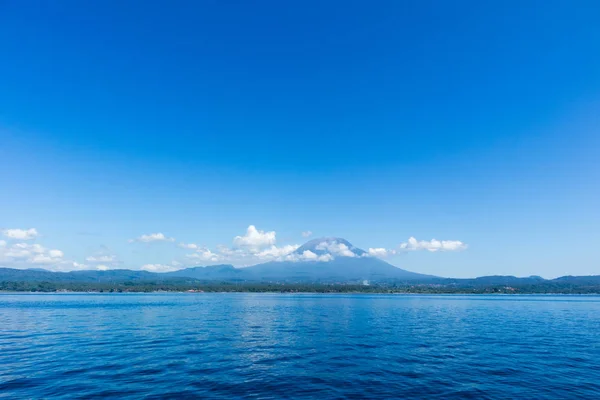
(268, 346)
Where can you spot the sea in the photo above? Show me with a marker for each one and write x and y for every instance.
(298, 346)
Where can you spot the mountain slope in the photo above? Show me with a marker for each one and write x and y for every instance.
(341, 269)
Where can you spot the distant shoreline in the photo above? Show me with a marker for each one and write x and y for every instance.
(14, 281)
(302, 292)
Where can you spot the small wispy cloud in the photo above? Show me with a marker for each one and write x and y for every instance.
(204, 254)
(190, 246)
(87, 233)
(101, 259)
(152, 237)
(432, 245)
(158, 268)
(380, 252)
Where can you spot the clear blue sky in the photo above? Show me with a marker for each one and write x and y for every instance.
(466, 121)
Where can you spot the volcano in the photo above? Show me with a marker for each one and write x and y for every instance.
(331, 259)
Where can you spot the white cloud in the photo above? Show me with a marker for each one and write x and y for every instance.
(325, 258)
(42, 259)
(433, 245)
(22, 255)
(66, 265)
(380, 252)
(254, 247)
(21, 234)
(158, 268)
(306, 234)
(102, 267)
(277, 252)
(309, 255)
(2, 243)
(56, 254)
(255, 239)
(335, 248)
(191, 246)
(101, 259)
(152, 237)
(230, 253)
(27, 255)
(24, 250)
(204, 254)
(76, 265)
(105, 257)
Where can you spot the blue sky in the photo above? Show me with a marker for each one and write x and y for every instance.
(468, 122)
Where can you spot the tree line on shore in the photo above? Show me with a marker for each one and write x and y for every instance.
(548, 287)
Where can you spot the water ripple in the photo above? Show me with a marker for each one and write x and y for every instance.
(264, 346)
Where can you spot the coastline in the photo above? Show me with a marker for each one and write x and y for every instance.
(395, 293)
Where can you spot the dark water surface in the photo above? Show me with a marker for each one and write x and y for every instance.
(298, 346)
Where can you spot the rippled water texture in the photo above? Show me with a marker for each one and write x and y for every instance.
(298, 346)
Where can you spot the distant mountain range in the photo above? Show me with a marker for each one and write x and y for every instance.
(324, 260)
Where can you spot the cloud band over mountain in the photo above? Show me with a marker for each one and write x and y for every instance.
(253, 247)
